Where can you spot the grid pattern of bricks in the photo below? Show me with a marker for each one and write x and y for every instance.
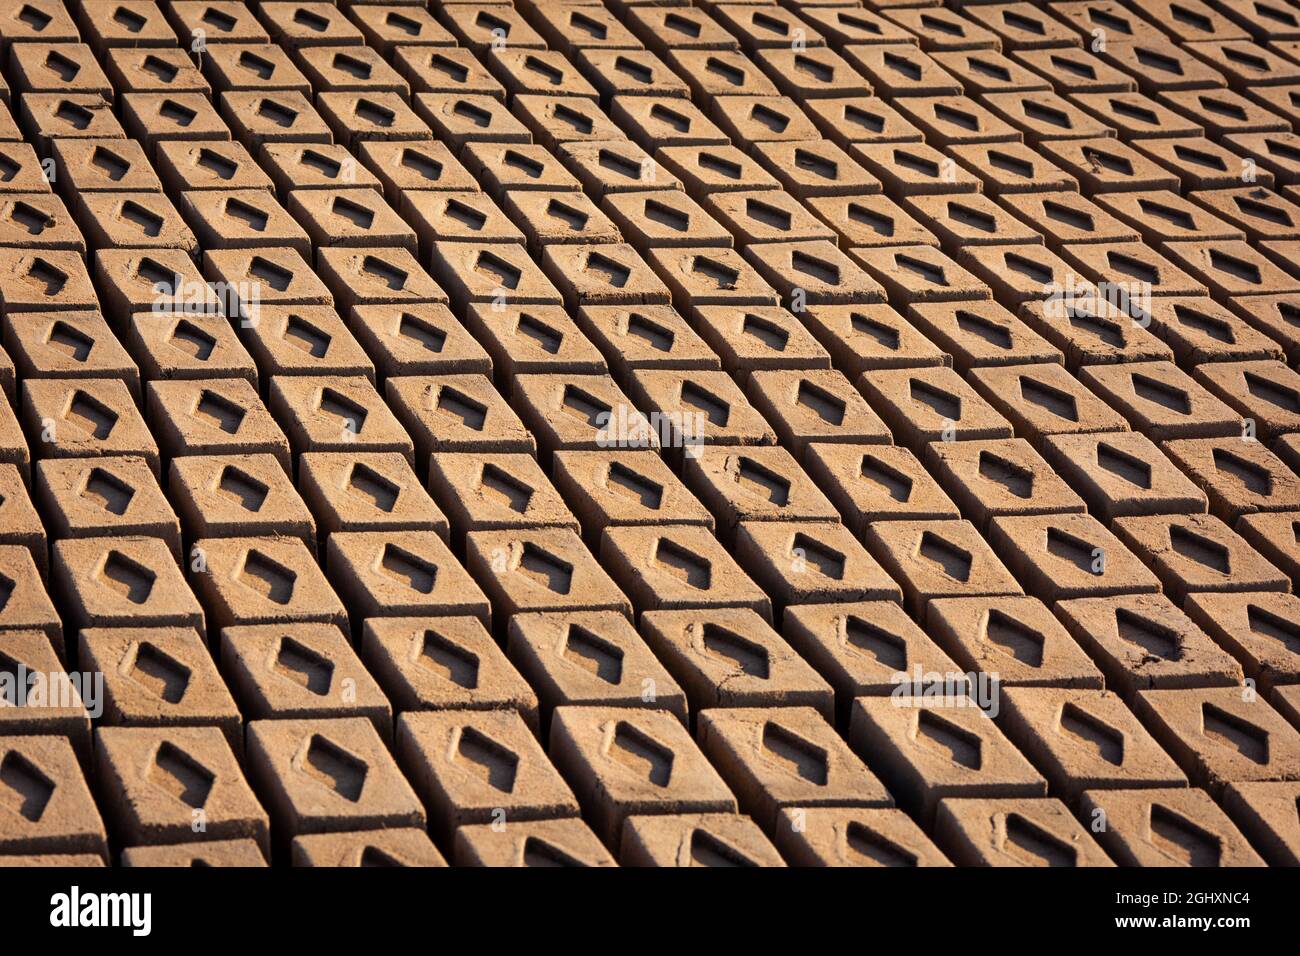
(568, 432)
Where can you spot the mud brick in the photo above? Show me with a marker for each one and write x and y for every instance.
(1230, 268)
(153, 118)
(305, 340)
(103, 498)
(919, 273)
(1122, 474)
(1198, 164)
(21, 171)
(834, 836)
(1047, 117)
(233, 496)
(327, 413)
(1022, 26)
(32, 221)
(222, 21)
(255, 68)
(842, 26)
(565, 217)
(1262, 811)
(1012, 168)
(1106, 165)
(8, 384)
(956, 120)
(1001, 832)
(968, 219)
(855, 120)
(376, 114)
(1091, 331)
(267, 580)
(1085, 741)
(1247, 65)
(931, 404)
(765, 28)
(297, 166)
(159, 677)
(487, 272)
(1160, 66)
(1223, 112)
(445, 70)
(44, 768)
(131, 23)
(666, 218)
(456, 412)
(27, 606)
(396, 847)
(1168, 827)
(37, 20)
(273, 116)
(1278, 99)
(13, 446)
(482, 26)
(811, 73)
(208, 165)
(568, 411)
(678, 567)
(1015, 640)
(943, 30)
(564, 842)
(505, 167)
(1164, 217)
(704, 170)
(1273, 534)
(1257, 212)
(30, 653)
(154, 70)
(1275, 152)
(346, 217)
(810, 563)
(870, 483)
(357, 70)
(914, 169)
(614, 274)
(459, 119)
(1284, 699)
(625, 487)
(386, 28)
(540, 569)
(1161, 401)
(713, 74)
(302, 24)
(487, 492)
(815, 405)
(166, 282)
(926, 753)
(1239, 477)
(417, 339)
(18, 518)
(648, 337)
(1085, 16)
(759, 338)
(57, 68)
(532, 339)
(702, 275)
(669, 28)
(1257, 629)
(896, 70)
(573, 27)
(44, 279)
(387, 275)
(1273, 316)
(1019, 273)
(699, 408)
(626, 72)
(608, 168)
(1264, 392)
(85, 418)
(401, 573)
(469, 766)
(665, 122)
(869, 220)
(1067, 218)
(1220, 739)
(542, 72)
(980, 334)
(133, 220)
(938, 559)
(187, 346)
(990, 479)
(211, 853)
(67, 345)
(590, 658)
(1069, 556)
(9, 128)
(704, 839)
(367, 491)
(870, 336)
(1191, 20)
(771, 216)
(755, 484)
(808, 168)
(122, 582)
(814, 272)
(218, 416)
(984, 71)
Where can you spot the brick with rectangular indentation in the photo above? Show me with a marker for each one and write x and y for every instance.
(931, 404)
(238, 496)
(45, 280)
(1104, 164)
(104, 497)
(624, 487)
(698, 408)
(1167, 827)
(1028, 833)
(996, 477)
(29, 711)
(64, 345)
(1261, 630)
(981, 333)
(455, 412)
(755, 484)
(1161, 401)
(488, 492)
(264, 580)
(421, 338)
(323, 413)
(1089, 330)
(85, 418)
(920, 273)
(367, 491)
(1239, 477)
(805, 562)
(51, 807)
(189, 345)
(562, 217)
(219, 416)
(26, 605)
(854, 837)
(1123, 473)
(1265, 393)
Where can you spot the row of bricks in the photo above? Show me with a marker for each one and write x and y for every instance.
(469, 768)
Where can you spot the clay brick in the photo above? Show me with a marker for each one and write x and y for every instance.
(37, 20)
(609, 167)
(698, 408)
(590, 658)
(614, 274)
(1015, 640)
(104, 498)
(1239, 477)
(159, 281)
(238, 496)
(459, 119)
(931, 404)
(1256, 628)
(926, 753)
(938, 559)
(944, 30)
(972, 219)
(1201, 330)
(712, 74)
(1162, 401)
(85, 418)
(27, 606)
(667, 218)
(811, 562)
(18, 518)
(532, 339)
(755, 484)
(871, 483)
(624, 487)
(80, 346)
(812, 405)
(1246, 65)
(207, 165)
(815, 273)
(320, 776)
(305, 340)
(397, 847)
(295, 166)
(159, 677)
(1069, 556)
(1123, 473)
(977, 334)
(1167, 827)
(1044, 118)
(700, 275)
(990, 479)
(22, 168)
(766, 216)
(1038, 832)
(367, 491)
(273, 116)
(1012, 168)
(187, 346)
(665, 122)
(1222, 112)
(1258, 212)
(154, 70)
(455, 412)
(33, 221)
(381, 276)
(636, 337)
(1284, 699)
(154, 118)
(386, 28)
(356, 217)
(416, 166)
(1231, 268)
(1191, 20)
(13, 446)
(444, 663)
(870, 336)
(257, 67)
(808, 168)
(1273, 534)
(1091, 331)
(540, 72)
(854, 120)
(1019, 273)
(219, 416)
(263, 581)
(1264, 392)
(984, 71)
(956, 120)
(484, 272)
(566, 842)
(678, 567)
(560, 217)
(57, 68)
(472, 766)
(486, 492)
(299, 24)
(667, 28)
(1067, 218)
(540, 569)
(68, 821)
(210, 853)
(707, 169)
(417, 339)
(133, 220)
(53, 705)
(45, 280)
(1262, 811)
(896, 70)
(336, 414)
(705, 839)
(376, 115)
(919, 274)
(854, 837)
(1197, 163)
(217, 21)
(131, 23)
(566, 411)
(1219, 739)
(252, 278)
(445, 70)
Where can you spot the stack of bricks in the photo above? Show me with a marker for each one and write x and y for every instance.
(581, 433)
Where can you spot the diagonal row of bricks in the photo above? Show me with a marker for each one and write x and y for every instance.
(936, 331)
